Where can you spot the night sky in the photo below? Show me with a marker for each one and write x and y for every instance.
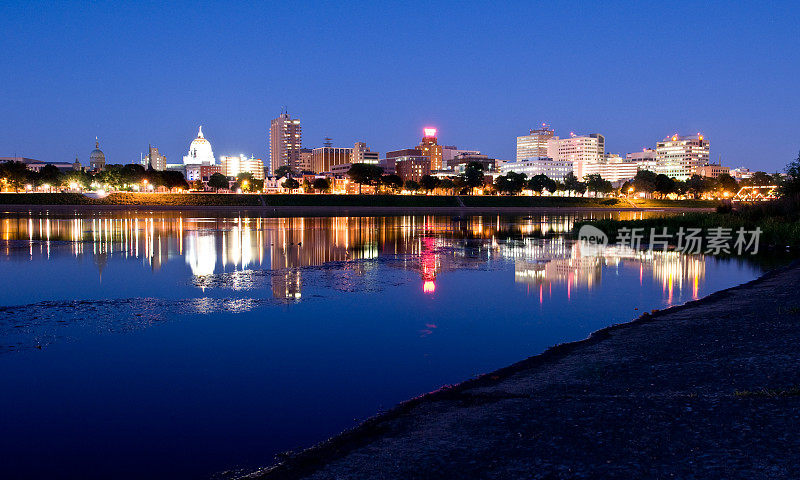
(135, 73)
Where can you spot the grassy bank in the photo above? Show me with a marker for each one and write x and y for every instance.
(779, 222)
(400, 201)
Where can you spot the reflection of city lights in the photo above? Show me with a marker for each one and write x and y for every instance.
(429, 286)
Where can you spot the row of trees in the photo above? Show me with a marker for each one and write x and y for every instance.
(120, 177)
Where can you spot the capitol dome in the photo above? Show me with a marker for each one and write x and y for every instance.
(200, 152)
(97, 158)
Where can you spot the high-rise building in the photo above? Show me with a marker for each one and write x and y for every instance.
(362, 154)
(155, 160)
(535, 144)
(578, 149)
(429, 147)
(679, 156)
(323, 158)
(236, 164)
(285, 139)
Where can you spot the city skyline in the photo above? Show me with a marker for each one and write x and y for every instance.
(635, 85)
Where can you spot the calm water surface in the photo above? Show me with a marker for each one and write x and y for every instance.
(150, 345)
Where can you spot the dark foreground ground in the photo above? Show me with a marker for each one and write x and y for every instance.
(707, 390)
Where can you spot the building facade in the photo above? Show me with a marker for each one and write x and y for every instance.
(362, 154)
(285, 139)
(412, 167)
(679, 156)
(578, 149)
(554, 169)
(323, 158)
(612, 168)
(459, 163)
(305, 159)
(534, 144)
(155, 160)
(429, 147)
(713, 171)
(236, 164)
(450, 152)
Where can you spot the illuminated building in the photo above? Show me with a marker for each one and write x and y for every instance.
(430, 148)
(646, 155)
(612, 168)
(200, 152)
(412, 167)
(679, 156)
(324, 158)
(741, 173)
(535, 144)
(97, 159)
(362, 154)
(155, 160)
(285, 139)
(234, 165)
(713, 171)
(578, 149)
(554, 169)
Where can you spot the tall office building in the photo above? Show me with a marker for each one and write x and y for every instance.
(429, 147)
(155, 160)
(362, 154)
(535, 144)
(578, 149)
(679, 156)
(285, 138)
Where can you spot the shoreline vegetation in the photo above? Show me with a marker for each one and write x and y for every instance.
(722, 370)
(362, 201)
(778, 220)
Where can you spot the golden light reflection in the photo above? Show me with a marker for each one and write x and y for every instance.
(429, 245)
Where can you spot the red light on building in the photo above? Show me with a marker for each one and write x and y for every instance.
(430, 132)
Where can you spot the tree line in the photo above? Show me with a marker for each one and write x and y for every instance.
(17, 176)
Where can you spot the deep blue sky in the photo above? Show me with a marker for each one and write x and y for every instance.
(135, 73)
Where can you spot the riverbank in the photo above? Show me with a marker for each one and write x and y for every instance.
(710, 389)
(327, 205)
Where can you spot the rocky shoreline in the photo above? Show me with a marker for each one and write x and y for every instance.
(709, 389)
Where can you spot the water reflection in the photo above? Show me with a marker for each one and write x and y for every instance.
(429, 245)
(275, 333)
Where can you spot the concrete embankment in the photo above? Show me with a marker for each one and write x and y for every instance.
(706, 390)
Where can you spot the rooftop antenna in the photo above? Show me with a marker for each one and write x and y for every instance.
(284, 111)
(328, 142)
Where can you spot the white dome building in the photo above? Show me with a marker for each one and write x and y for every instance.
(200, 152)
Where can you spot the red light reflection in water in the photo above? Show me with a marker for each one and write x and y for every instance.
(428, 262)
